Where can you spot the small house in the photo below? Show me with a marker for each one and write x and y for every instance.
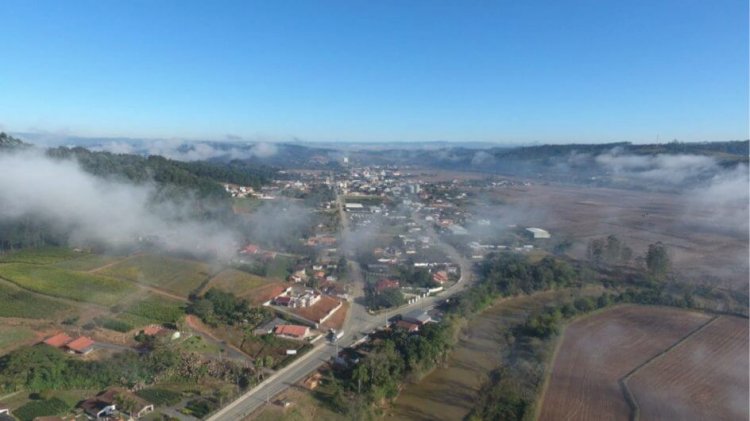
(82, 345)
(292, 331)
(59, 340)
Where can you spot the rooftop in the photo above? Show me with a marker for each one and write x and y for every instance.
(292, 330)
(58, 340)
(80, 344)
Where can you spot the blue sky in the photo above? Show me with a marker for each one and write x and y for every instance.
(497, 71)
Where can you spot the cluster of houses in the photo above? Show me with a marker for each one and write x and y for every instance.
(235, 190)
(81, 345)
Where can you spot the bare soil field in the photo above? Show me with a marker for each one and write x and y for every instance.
(704, 377)
(598, 350)
(705, 247)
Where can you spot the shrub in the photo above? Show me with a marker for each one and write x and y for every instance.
(160, 396)
(40, 408)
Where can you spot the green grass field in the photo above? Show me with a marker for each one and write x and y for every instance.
(62, 283)
(16, 302)
(88, 262)
(178, 276)
(42, 256)
(246, 204)
(237, 282)
(13, 335)
(280, 267)
(157, 309)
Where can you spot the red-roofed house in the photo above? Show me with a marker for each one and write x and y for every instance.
(440, 277)
(384, 284)
(58, 340)
(153, 330)
(292, 331)
(250, 249)
(82, 345)
(407, 326)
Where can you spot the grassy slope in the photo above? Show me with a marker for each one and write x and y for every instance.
(62, 283)
(178, 276)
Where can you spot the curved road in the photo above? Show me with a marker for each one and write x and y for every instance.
(358, 323)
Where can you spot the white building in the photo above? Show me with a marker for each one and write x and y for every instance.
(538, 233)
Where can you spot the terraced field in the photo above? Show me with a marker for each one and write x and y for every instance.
(177, 276)
(77, 286)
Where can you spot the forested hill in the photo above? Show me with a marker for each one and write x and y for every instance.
(733, 151)
(8, 142)
(202, 176)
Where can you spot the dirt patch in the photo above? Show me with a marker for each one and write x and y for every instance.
(336, 321)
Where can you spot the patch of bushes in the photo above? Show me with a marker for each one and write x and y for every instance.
(113, 324)
(160, 396)
(199, 408)
(40, 408)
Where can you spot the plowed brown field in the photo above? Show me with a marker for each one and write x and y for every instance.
(598, 350)
(703, 378)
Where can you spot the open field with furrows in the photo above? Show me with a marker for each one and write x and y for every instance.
(598, 350)
(17, 302)
(705, 247)
(237, 282)
(77, 286)
(89, 262)
(449, 392)
(704, 377)
(177, 276)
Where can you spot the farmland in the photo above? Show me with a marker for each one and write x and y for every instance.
(177, 276)
(62, 283)
(237, 282)
(705, 249)
(41, 256)
(705, 377)
(598, 350)
(16, 302)
(88, 263)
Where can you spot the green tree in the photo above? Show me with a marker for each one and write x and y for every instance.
(595, 250)
(657, 260)
(613, 249)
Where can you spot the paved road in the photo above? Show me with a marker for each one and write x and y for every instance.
(358, 323)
